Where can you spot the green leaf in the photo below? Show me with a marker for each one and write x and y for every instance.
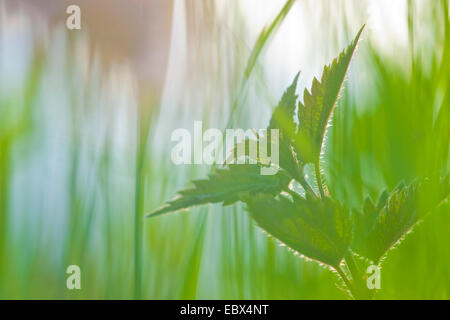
(315, 111)
(263, 40)
(283, 115)
(282, 119)
(227, 186)
(318, 229)
(379, 228)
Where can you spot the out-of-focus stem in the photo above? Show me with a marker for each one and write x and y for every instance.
(346, 281)
(143, 123)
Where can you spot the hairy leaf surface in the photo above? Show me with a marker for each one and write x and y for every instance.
(318, 229)
(315, 111)
(283, 115)
(283, 120)
(226, 186)
(380, 227)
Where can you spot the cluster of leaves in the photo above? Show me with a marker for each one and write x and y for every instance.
(315, 225)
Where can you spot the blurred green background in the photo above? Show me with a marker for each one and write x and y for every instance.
(86, 118)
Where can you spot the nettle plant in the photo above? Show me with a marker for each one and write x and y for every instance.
(312, 222)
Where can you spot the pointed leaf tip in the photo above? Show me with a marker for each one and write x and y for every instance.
(315, 112)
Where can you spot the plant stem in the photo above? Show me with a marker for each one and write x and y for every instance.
(319, 179)
(143, 123)
(346, 281)
(292, 193)
(351, 264)
(356, 277)
(138, 231)
(361, 291)
(306, 187)
(4, 188)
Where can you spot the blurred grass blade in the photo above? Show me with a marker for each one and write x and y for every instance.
(264, 37)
